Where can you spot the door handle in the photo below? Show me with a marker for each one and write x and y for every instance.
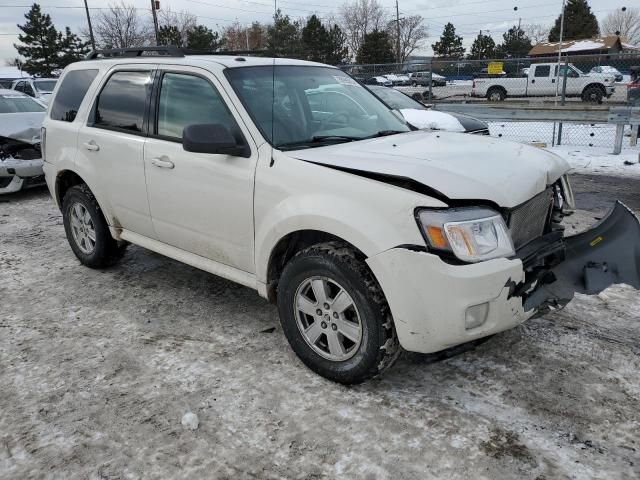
(91, 146)
(162, 162)
(533, 80)
(553, 80)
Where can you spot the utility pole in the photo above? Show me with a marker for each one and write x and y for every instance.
(155, 19)
(479, 44)
(398, 33)
(93, 41)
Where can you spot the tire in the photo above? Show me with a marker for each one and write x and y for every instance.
(78, 203)
(496, 94)
(334, 266)
(592, 95)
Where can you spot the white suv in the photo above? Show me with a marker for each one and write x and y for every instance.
(369, 236)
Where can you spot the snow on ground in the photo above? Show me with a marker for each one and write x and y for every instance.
(598, 160)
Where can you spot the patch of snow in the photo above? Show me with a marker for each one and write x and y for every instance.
(431, 120)
(190, 420)
(600, 161)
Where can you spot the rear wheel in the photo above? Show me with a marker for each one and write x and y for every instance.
(496, 95)
(87, 231)
(335, 316)
(592, 95)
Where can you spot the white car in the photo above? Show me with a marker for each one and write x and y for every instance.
(607, 70)
(368, 236)
(20, 158)
(39, 88)
(423, 118)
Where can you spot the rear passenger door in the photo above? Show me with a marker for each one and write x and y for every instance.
(201, 203)
(543, 83)
(110, 146)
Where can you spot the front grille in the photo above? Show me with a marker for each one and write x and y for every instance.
(529, 220)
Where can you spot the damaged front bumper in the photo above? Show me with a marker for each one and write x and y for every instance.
(16, 174)
(436, 305)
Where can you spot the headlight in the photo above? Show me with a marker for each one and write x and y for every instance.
(471, 234)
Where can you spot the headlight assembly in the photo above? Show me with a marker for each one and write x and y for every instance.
(471, 234)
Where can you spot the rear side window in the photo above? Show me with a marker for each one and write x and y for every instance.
(543, 71)
(72, 90)
(121, 103)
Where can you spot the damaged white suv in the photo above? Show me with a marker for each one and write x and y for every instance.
(369, 236)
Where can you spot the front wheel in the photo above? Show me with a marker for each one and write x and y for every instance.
(335, 316)
(592, 95)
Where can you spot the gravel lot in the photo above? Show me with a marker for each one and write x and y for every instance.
(97, 369)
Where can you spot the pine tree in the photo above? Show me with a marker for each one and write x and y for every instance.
(203, 38)
(450, 44)
(579, 22)
(169, 35)
(39, 43)
(483, 47)
(375, 48)
(283, 37)
(71, 48)
(337, 51)
(515, 43)
(314, 40)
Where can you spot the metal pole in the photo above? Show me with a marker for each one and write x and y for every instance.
(93, 41)
(398, 32)
(555, 101)
(564, 93)
(155, 19)
(430, 79)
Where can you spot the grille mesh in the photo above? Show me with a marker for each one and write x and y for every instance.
(528, 221)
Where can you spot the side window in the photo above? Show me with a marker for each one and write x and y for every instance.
(542, 71)
(72, 90)
(187, 100)
(122, 101)
(28, 89)
(20, 87)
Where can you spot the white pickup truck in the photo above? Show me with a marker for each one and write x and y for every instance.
(542, 80)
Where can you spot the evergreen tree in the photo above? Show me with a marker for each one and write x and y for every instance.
(203, 38)
(375, 48)
(283, 37)
(579, 22)
(337, 51)
(71, 48)
(39, 43)
(515, 43)
(450, 44)
(169, 35)
(483, 47)
(315, 40)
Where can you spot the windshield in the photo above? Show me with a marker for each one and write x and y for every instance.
(395, 99)
(302, 107)
(45, 86)
(19, 104)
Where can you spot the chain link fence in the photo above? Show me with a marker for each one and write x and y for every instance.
(594, 81)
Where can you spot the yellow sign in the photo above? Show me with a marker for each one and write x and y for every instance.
(495, 68)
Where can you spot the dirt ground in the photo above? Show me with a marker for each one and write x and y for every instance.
(97, 369)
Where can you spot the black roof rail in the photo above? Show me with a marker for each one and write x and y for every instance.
(170, 51)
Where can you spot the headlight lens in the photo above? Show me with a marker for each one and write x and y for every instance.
(471, 234)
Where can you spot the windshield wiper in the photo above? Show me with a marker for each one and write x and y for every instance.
(318, 139)
(385, 133)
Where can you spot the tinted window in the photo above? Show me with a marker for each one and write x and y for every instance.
(543, 71)
(45, 85)
(20, 86)
(71, 93)
(122, 100)
(188, 100)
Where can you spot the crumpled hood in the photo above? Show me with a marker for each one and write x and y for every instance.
(24, 127)
(459, 166)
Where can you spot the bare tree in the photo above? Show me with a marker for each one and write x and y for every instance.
(412, 34)
(13, 62)
(120, 27)
(536, 32)
(235, 36)
(359, 17)
(182, 20)
(626, 24)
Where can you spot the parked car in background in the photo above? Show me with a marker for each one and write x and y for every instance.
(424, 78)
(20, 159)
(633, 93)
(541, 82)
(484, 73)
(424, 118)
(383, 81)
(40, 88)
(607, 71)
(398, 79)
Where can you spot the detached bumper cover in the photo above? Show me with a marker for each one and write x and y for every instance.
(607, 253)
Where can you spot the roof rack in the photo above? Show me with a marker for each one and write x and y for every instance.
(169, 51)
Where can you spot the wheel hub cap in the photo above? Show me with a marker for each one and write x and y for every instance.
(82, 228)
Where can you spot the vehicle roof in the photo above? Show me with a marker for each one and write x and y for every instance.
(207, 61)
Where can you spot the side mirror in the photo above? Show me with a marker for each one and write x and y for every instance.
(212, 138)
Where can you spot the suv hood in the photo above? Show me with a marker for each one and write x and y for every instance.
(459, 166)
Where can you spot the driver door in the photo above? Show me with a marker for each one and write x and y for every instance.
(200, 203)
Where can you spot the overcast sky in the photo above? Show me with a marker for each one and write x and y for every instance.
(468, 16)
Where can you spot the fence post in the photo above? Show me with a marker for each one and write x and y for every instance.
(617, 146)
(562, 98)
(430, 79)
